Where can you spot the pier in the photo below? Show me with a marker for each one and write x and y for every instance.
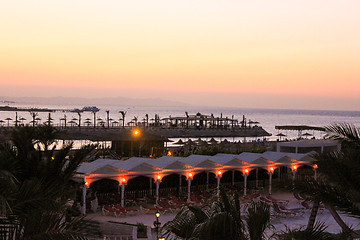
(150, 133)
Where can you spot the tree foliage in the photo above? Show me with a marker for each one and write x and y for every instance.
(220, 220)
(36, 183)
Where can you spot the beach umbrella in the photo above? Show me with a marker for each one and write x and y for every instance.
(1, 122)
(213, 141)
(252, 122)
(280, 135)
(74, 119)
(306, 134)
(72, 122)
(87, 122)
(225, 141)
(180, 142)
(87, 119)
(8, 119)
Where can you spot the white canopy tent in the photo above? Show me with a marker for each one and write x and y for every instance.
(123, 171)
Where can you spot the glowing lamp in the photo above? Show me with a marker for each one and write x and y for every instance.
(159, 177)
(190, 174)
(123, 180)
(246, 171)
(271, 169)
(169, 153)
(87, 184)
(136, 132)
(294, 168)
(219, 172)
(52, 158)
(315, 166)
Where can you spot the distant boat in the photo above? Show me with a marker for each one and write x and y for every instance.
(90, 109)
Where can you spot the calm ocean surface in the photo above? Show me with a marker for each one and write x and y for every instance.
(268, 118)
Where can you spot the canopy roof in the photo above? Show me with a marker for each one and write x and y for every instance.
(135, 166)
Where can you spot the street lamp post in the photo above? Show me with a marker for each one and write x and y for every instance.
(157, 224)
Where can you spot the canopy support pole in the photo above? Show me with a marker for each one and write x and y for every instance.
(84, 200)
(123, 194)
(189, 185)
(180, 182)
(207, 181)
(293, 176)
(270, 179)
(245, 183)
(233, 177)
(218, 186)
(157, 191)
(150, 186)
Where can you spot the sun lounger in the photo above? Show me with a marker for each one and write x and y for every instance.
(298, 211)
(278, 211)
(126, 210)
(166, 207)
(307, 206)
(266, 200)
(278, 201)
(147, 209)
(174, 200)
(108, 209)
(298, 197)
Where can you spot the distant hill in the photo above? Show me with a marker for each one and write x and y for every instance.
(110, 101)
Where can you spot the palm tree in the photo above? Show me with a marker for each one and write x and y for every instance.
(338, 182)
(35, 185)
(123, 114)
(219, 220)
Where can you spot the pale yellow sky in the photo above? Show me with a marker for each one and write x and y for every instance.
(199, 51)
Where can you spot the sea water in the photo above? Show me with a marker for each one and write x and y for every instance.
(267, 118)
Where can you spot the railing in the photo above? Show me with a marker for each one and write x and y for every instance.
(141, 194)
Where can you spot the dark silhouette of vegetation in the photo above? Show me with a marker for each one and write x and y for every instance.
(220, 220)
(36, 185)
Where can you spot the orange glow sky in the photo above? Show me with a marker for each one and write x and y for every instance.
(280, 54)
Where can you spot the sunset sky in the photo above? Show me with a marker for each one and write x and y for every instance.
(265, 54)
